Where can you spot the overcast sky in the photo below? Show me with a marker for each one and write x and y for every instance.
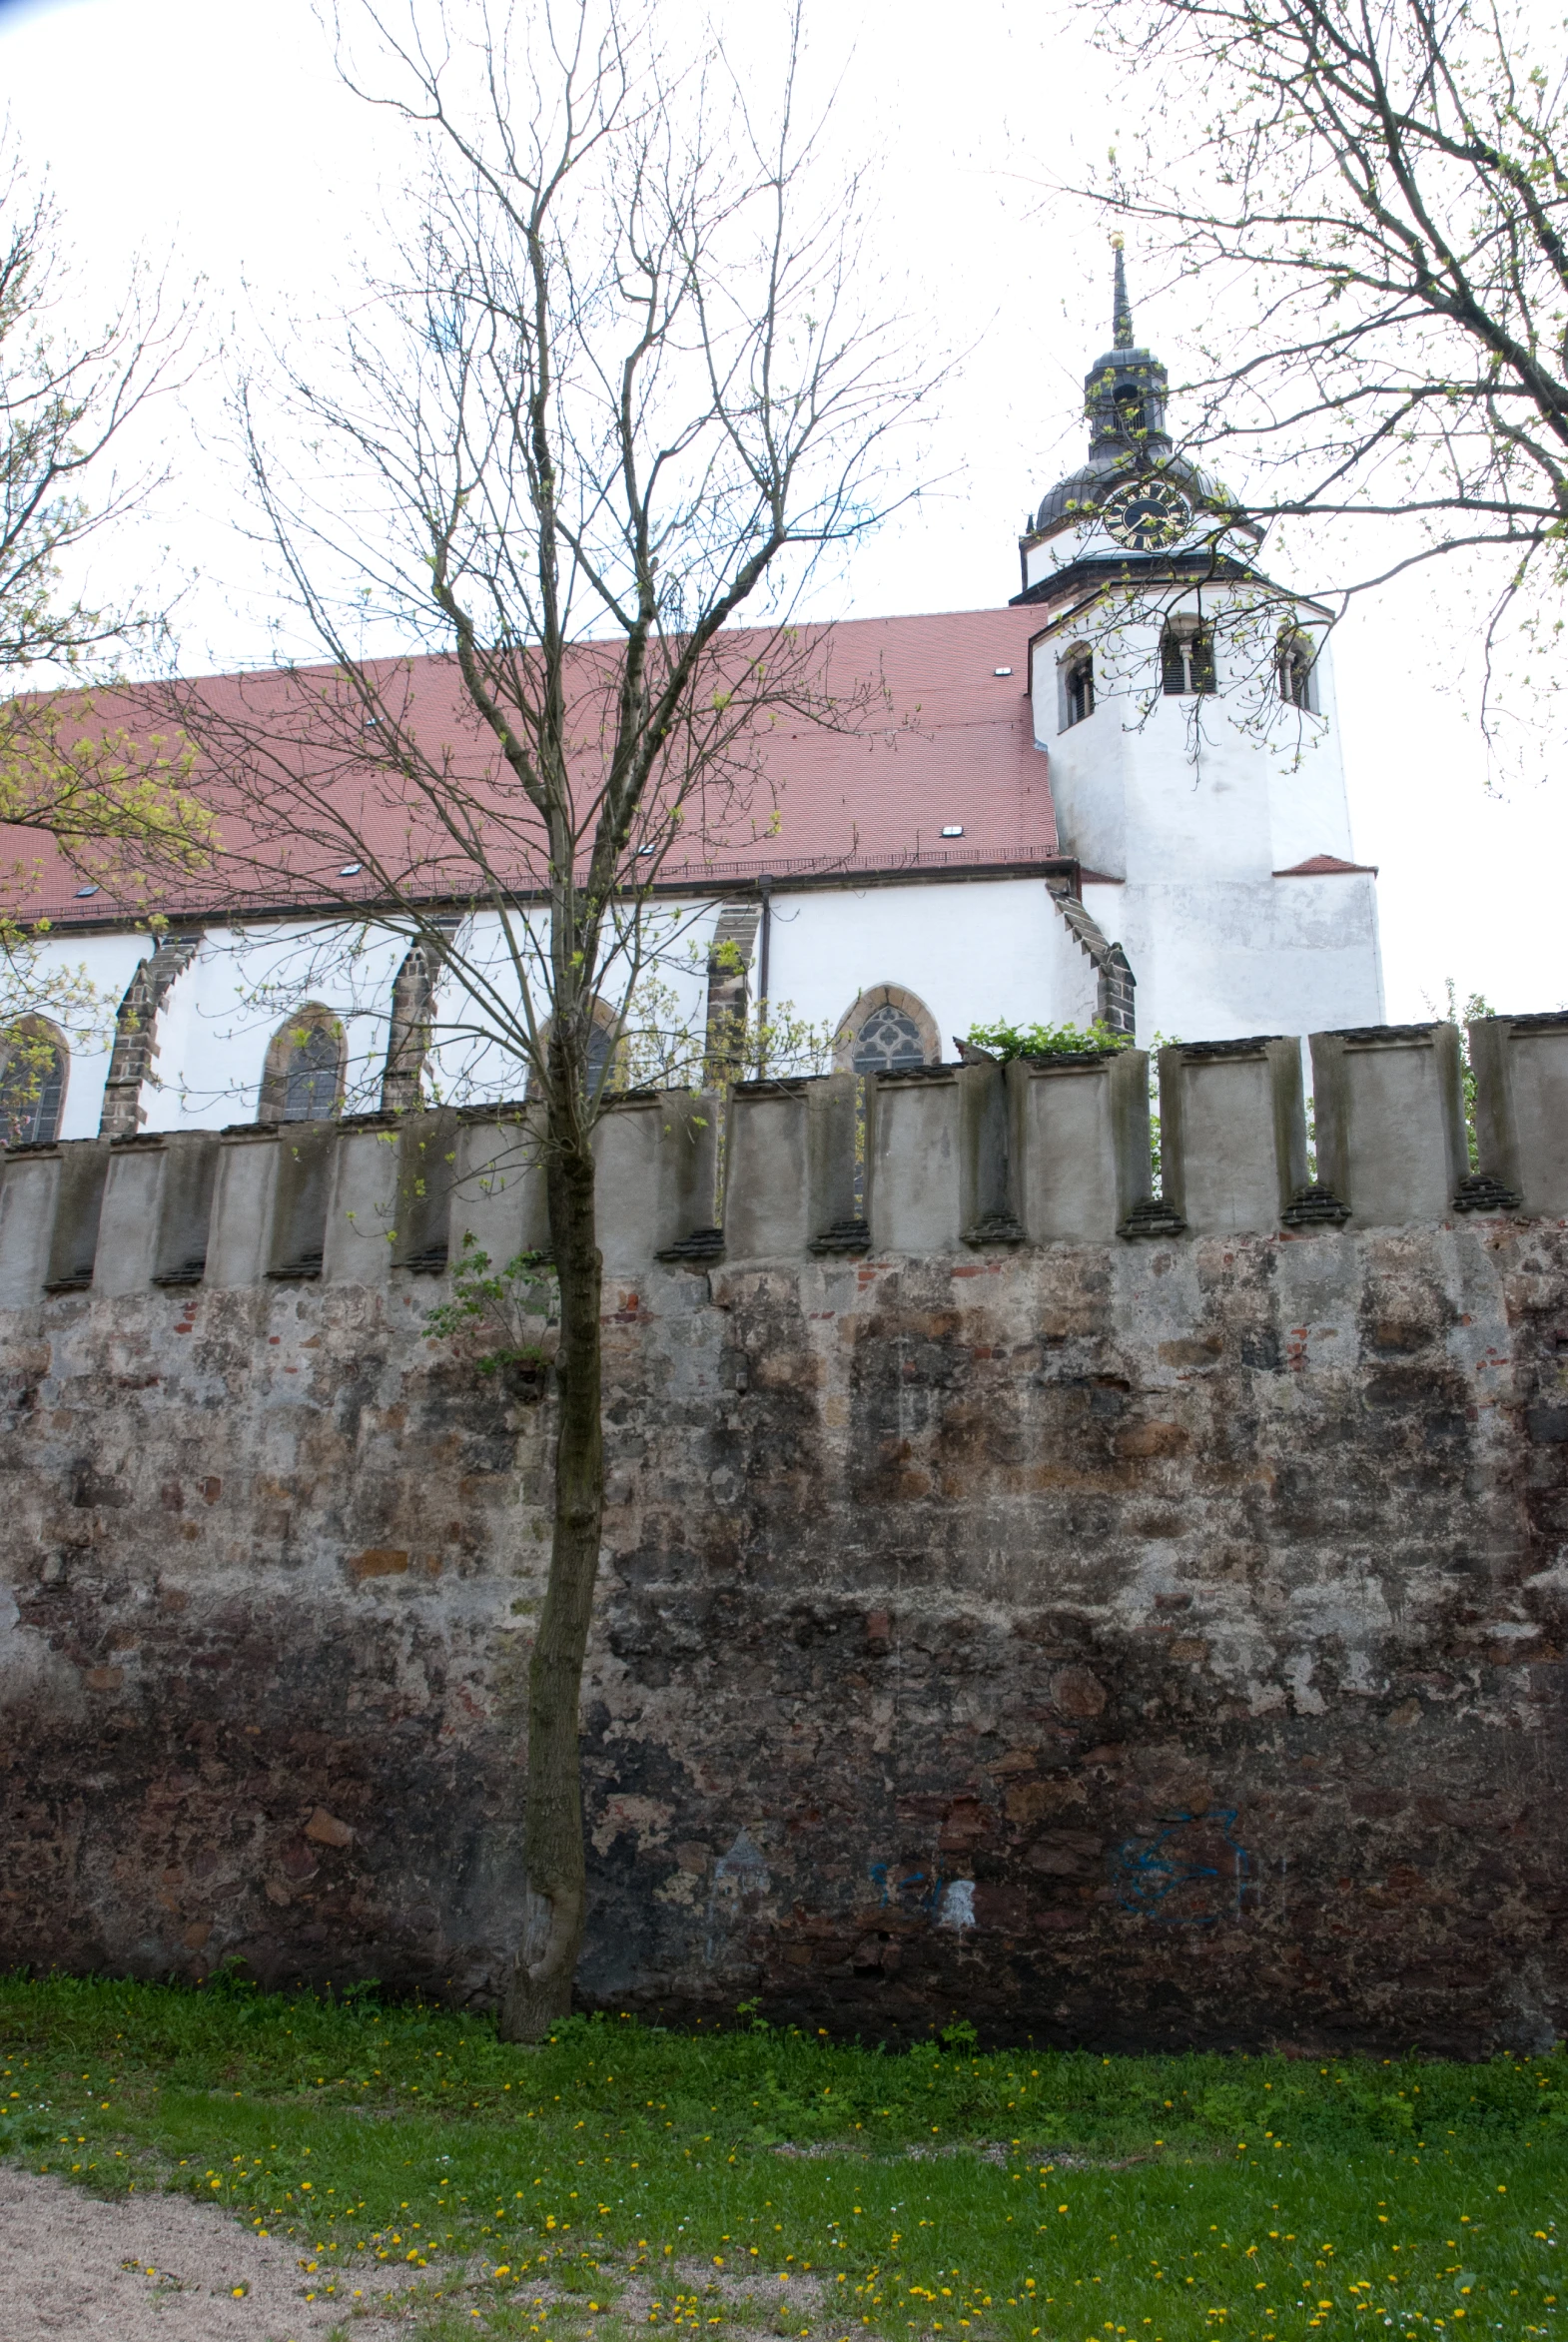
(211, 135)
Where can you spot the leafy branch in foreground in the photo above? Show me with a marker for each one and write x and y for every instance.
(514, 1309)
(1387, 182)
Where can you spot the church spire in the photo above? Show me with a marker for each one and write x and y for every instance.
(1124, 391)
(1121, 306)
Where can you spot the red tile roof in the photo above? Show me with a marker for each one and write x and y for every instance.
(938, 738)
(1325, 866)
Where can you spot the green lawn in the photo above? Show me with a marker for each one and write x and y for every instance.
(1070, 2197)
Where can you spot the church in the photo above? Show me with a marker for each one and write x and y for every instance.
(1117, 796)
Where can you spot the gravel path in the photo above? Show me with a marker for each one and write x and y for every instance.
(159, 2268)
(147, 2268)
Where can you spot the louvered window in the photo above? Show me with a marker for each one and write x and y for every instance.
(1186, 660)
(1295, 673)
(1080, 683)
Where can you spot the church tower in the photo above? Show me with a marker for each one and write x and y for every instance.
(1187, 703)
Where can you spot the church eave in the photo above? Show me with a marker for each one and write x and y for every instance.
(1100, 569)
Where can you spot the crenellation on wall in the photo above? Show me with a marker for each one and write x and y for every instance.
(240, 1235)
(498, 1195)
(935, 1159)
(1232, 1131)
(79, 1196)
(1389, 1101)
(1521, 1105)
(302, 1189)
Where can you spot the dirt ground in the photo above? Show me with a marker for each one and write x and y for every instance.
(149, 2268)
(158, 2268)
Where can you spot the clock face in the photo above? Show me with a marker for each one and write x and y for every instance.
(1147, 515)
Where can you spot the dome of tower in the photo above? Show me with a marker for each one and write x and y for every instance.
(1125, 394)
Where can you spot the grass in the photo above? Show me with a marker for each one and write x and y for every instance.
(763, 2179)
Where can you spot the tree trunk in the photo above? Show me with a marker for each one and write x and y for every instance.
(555, 1913)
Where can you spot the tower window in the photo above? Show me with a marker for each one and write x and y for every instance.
(1297, 684)
(1186, 659)
(1078, 689)
(1129, 410)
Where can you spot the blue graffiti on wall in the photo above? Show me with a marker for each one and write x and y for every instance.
(1193, 1873)
(908, 1886)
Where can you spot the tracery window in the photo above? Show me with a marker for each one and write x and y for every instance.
(888, 1030)
(887, 1043)
(310, 1083)
(31, 1085)
(1186, 659)
(303, 1078)
(607, 1052)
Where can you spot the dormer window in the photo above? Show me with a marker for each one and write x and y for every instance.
(1186, 659)
(1078, 687)
(1297, 681)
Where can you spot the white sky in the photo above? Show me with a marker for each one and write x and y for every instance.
(211, 135)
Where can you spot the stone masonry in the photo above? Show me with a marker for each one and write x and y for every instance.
(1135, 1642)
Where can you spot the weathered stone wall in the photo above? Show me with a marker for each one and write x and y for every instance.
(1121, 1642)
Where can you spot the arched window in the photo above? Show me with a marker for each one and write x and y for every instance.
(887, 1031)
(1186, 659)
(1130, 410)
(1297, 658)
(1078, 687)
(601, 1048)
(303, 1078)
(607, 1067)
(33, 1069)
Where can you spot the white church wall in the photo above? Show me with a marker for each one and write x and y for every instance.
(972, 952)
(1288, 955)
(219, 1015)
(110, 961)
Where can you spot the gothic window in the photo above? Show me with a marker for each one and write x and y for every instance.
(1296, 686)
(31, 1085)
(311, 1081)
(1078, 688)
(887, 1041)
(1186, 659)
(886, 1032)
(607, 1069)
(302, 1080)
(601, 1048)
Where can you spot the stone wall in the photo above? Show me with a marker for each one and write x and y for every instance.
(1124, 1642)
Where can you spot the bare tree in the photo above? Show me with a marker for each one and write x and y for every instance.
(619, 383)
(71, 778)
(1390, 180)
